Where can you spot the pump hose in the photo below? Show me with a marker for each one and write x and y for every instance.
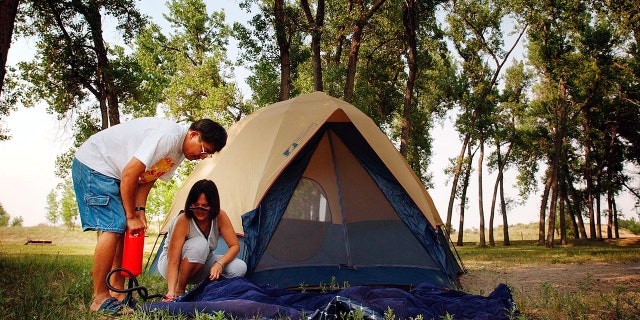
(134, 286)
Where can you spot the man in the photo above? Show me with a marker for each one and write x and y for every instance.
(113, 172)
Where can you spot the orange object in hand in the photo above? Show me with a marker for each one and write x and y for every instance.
(132, 253)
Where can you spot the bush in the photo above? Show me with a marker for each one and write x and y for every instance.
(630, 225)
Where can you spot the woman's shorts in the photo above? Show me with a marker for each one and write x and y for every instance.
(99, 200)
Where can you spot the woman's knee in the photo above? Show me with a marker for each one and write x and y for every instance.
(236, 268)
(196, 250)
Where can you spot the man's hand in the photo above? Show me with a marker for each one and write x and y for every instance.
(136, 225)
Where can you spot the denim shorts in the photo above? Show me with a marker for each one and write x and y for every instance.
(99, 200)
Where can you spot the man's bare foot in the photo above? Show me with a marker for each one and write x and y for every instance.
(111, 306)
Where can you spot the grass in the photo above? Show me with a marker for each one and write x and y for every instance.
(53, 281)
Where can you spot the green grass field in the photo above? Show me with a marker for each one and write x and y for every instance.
(52, 281)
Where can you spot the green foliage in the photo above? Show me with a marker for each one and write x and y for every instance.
(65, 203)
(71, 70)
(52, 207)
(188, 72)
(4, 217)
(8, 100)
(629, 224)
(17, 221)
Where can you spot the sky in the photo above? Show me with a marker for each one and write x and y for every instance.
(28, 159)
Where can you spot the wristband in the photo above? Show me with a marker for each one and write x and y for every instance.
(139, 208)
(220, 263)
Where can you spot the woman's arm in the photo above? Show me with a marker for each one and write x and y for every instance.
(178, 235)
(229, 235)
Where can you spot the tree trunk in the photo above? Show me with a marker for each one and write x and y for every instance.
(578, 211)
(543, 209)
(615, 220)
(356, 39)
(563, 225)
(589, 180)
(503, 209)
(555, 163)
(463, 196)
(483, 242)
(598, 211)
(551, 222)
(562, 195)
(494, 196)
(454, 184)
(283, 46)
(410, 22)
(8, 11)
(315, 25)
(108, 90)
(492, 241)
(610, 216)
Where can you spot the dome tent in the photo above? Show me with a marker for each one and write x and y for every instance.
(318, 194)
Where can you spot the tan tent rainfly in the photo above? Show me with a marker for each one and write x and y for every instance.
(256, 154)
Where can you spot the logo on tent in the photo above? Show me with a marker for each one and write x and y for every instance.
(290, 150)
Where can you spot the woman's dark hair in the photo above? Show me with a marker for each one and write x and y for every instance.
(210, 191)
(211, 132)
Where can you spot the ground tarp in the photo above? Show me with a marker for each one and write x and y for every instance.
(241, 298)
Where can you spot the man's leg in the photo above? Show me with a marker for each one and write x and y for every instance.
(103, 259)
(117, 279)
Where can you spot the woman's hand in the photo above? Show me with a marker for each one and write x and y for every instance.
(169, 297)
(216, 270)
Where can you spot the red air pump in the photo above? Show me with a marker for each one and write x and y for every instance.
(131, 268)
(132, 253)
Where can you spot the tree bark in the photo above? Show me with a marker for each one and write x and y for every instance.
(503, 209)
(315, 26)
(463, 196)
(410, 22)
(356, 41)
(8, 11)
(480, 195)
(283, 46)
(456, 178)
(543, 208)
(588, 176)
(578, 211)
(598, 211)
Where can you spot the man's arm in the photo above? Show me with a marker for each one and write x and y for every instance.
(129, 191)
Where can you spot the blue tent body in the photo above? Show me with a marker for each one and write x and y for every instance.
(401, 249)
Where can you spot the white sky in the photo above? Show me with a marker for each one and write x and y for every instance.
(28, 159)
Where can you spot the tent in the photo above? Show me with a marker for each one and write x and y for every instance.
(319, 195)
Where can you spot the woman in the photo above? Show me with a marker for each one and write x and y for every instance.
(188, 251)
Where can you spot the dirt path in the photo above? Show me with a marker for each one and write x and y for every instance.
(527, 280)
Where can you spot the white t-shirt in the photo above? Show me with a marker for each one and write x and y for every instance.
(156, 142)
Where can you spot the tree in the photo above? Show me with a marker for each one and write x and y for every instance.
(4, 217)
(506, 129)
(476, 32)
(314, 26)
(8, 11)
(17, 221)
(273, 45)
(75, 71)
(362, 16)
(52, 207)
(68, 204)
(187, 71)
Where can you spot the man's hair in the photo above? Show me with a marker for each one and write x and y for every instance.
(211, 132)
